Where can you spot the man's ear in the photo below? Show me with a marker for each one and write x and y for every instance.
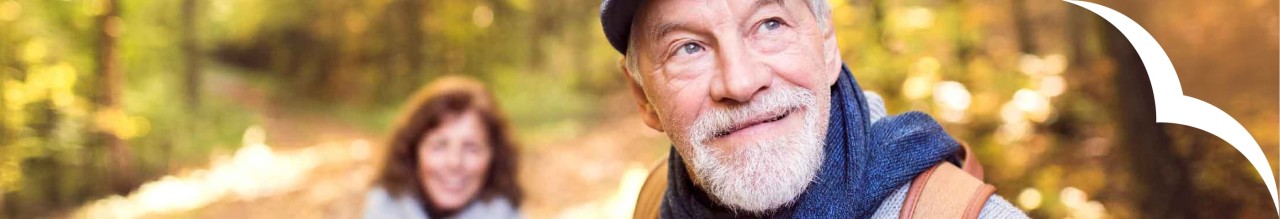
(647, 111)
(831, 50)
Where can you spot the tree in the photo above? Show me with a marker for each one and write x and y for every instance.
(110, 83)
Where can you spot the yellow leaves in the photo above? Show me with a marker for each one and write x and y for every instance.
(57, 78)
(1045, 72)
(355, 22)
(10, 173)
(10, 10)
(119, 124)
(448, 19)
(1035, 66)
(14, 94)
(926, 66)
(482, 16)
(94, 8)
(1030, 199)
(55, 83)
(43, 79)
(520, 5)
(1079, 204)
(1027, 106)
(11, 156)
(1052, 85)
(62, 79)
(952, 99)
(922, 77)
(917, 87)
(33, 51)
(911, 19)
(1034, 105)
(1075, 199)
(60, 76)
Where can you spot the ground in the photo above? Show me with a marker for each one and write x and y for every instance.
(308, 165)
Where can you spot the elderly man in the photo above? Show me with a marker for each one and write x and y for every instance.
(767, 122)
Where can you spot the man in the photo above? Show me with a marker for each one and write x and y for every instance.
(767, 122)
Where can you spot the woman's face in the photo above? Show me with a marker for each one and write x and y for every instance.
(453, 160)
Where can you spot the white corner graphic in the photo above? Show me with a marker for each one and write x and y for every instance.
(1174, 107)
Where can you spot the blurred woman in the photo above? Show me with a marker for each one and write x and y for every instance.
(450, 157)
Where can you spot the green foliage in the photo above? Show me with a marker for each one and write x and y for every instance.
(50, 154)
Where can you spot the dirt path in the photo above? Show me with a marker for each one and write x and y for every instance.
(300, 165)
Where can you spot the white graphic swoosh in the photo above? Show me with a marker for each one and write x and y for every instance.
(1174, 107)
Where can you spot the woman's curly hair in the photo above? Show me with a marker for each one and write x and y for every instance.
(446, 98)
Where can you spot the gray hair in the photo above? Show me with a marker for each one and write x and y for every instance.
(821, 11)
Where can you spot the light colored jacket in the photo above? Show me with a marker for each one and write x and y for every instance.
(380, 203)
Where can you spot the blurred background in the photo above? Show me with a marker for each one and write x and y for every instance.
(278, 108)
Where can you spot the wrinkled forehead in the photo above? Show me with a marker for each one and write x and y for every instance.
(654, 13)
(655, 17)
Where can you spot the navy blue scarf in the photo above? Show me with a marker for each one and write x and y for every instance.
(863, 163)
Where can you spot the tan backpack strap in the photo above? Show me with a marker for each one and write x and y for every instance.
(970, 162)
(947, 191)
(649, 203)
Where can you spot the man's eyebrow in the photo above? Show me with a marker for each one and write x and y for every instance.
(762, 3)
(663, 28)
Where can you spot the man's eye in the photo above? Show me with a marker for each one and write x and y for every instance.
(771, 24)
(690, 48)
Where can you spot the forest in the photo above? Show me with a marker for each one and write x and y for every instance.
(280, 108)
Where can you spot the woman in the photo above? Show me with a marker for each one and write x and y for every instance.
(451, 157)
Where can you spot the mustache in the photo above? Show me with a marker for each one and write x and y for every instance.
(766, 107)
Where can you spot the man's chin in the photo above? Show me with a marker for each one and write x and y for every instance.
(761, 167)
(759, 178)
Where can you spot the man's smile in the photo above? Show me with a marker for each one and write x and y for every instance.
(758, 127)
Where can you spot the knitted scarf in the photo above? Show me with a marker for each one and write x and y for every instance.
(863, 163)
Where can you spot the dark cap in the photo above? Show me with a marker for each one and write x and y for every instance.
(615, 17)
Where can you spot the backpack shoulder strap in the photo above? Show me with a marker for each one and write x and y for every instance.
(948, 191)
(649, 202)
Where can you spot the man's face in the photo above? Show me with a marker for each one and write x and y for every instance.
(742, 87)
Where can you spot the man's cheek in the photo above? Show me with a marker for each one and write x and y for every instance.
(666, 108)
(685, 112)
(797, 71)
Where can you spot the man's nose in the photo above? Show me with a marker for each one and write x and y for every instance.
(741, 75)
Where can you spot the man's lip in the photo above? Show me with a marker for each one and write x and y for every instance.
(772, 116)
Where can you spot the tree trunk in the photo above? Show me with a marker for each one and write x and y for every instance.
(1026, 40)
(1162, 184)
(110, 84)
(416, 36)
(191, 52)
(878, 20)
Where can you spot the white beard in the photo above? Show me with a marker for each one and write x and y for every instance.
(764, 175)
